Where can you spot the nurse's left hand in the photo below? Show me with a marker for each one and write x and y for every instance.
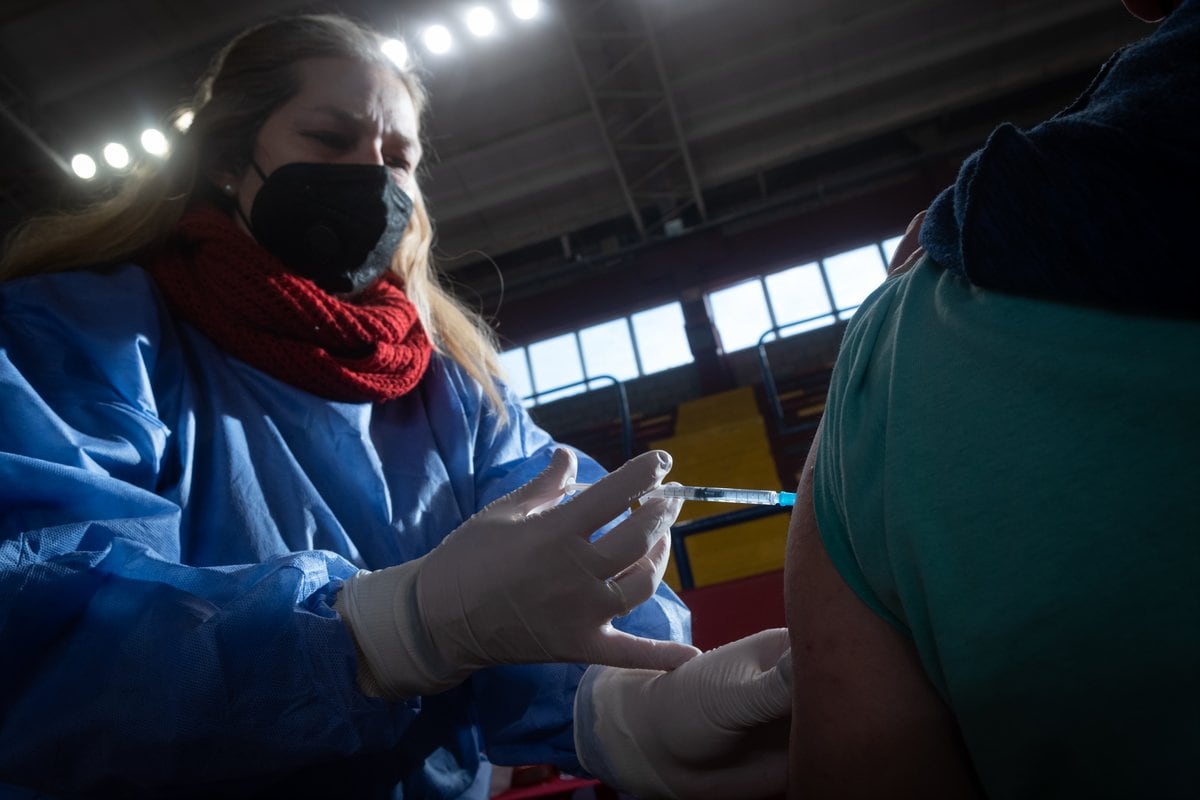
(518, 584)
(714, 729)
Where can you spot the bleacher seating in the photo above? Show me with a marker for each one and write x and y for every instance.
(721, 440)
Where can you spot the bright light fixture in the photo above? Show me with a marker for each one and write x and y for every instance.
(116, 155)
(438, 39)
(525, 9)
(153, 142)
(481, 21)
(397, 51)
(84, 166)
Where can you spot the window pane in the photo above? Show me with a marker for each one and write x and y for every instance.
(740, 314)
(854, 275)
(660, 337)
(608, 350)
(799, 294)
(516, 370)
(556, 363)
(889, 246)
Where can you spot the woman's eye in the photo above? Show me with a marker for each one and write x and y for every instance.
(396, 162)
(334, 141)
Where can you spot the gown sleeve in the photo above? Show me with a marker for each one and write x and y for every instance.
(125, 671)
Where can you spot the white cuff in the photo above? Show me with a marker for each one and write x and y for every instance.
(605, 743)
(384, 618)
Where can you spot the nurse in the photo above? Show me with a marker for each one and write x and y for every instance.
(269, 519)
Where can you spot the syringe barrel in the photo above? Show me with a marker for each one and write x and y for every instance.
(717, 494)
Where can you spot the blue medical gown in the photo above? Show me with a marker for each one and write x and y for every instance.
(175, 525)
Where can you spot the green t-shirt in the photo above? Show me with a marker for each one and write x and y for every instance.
(1015, 484)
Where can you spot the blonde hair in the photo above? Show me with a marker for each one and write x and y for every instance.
(249, 79)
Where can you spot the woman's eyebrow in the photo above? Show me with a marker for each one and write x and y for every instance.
(340, 114)
(345, 117)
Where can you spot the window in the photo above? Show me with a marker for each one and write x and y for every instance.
(608, 350)
(661, 338)
(796, 299)
(740, 314)
(623, 348)
(889, 247)
(799, 298)
(854, 275)
(555, 362)
(798, 295)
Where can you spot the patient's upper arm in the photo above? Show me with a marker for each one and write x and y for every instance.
(866, 721)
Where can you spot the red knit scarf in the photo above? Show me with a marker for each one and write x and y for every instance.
(220, 280)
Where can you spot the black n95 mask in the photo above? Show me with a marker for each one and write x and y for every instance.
(336, 224)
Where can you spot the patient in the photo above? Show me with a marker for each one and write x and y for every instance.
(992, 566)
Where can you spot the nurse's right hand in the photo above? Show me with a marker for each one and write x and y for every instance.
(519, 584)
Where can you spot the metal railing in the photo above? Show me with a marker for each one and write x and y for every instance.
(768, 377)
(681, 531)
(622, 406)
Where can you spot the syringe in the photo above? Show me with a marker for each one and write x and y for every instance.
(713, 494)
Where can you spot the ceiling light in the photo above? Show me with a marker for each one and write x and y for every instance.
(116, 155)
(153, 142)
(397, 51)
(524, 9)
(437, 38)
(481, 21)
(184, 121)
(84, 166)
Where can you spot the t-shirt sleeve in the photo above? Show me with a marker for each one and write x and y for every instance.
(1011, 483)
(848, 463)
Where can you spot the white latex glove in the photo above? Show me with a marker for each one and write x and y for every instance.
(715, 728)
(519, 582)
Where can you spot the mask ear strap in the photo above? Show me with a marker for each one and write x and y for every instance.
(237, 203)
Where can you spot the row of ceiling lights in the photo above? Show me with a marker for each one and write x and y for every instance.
(438, 39)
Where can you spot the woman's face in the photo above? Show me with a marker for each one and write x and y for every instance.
(346, 112)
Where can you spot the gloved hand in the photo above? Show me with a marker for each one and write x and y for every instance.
(519, 582)
(716, 727)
